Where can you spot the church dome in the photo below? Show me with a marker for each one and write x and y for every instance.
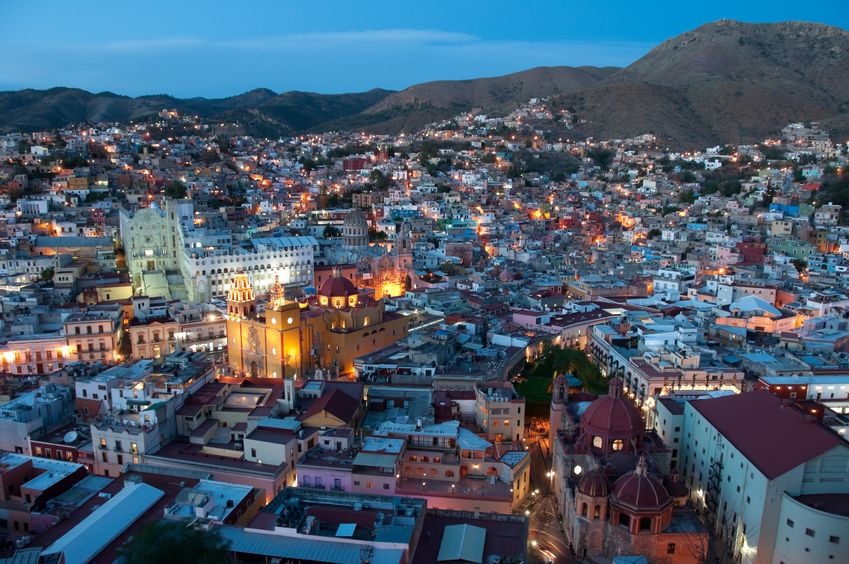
(594, 484)
(613, 416)
(355, 229)
(355, 218)
(339, 287)
(338, 291)
(640, 491)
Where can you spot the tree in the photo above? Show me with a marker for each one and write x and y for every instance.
(330, 231)
(379, 180)
(601, 157)
(47, 274)
(167, 542)
(687, 197)
(375, 235)
(176, 190)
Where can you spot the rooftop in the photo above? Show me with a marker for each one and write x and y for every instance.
(775, 437)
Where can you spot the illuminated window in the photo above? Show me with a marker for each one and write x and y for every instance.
(618, 444)
(597, 442)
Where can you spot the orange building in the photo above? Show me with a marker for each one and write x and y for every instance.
(267, 344)
(343, 326)
(289, 339)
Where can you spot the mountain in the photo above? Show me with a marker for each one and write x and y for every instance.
(725, 82)
(269, 114)
(416, 106)
(262, 111)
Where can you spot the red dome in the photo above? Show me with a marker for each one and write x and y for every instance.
(594, 484)
(640, 491)
(613, 416)
(337, 286)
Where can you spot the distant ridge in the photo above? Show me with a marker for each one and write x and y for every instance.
(724, 82)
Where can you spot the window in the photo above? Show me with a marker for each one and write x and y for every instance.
(670, 548)
(103, 442)
(385, 486)
(618, 444)
(834, 540)
(790, 523)
(810, 532)
(597, 442)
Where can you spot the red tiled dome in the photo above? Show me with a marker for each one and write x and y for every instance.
(613, 416)
(640, 491)
(594, 484)
(337, 286)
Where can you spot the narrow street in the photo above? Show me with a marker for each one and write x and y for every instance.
(546, 537)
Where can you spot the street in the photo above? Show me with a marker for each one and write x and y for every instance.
(546, 537)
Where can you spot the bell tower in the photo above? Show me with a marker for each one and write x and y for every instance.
(241, 308)
(282, 337)
(241, 301)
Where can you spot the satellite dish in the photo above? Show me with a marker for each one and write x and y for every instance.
(70, 437)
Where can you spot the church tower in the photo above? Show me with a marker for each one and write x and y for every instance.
(241, 301)
(403, 249)
(282, 335)
(241, 306)
(266, 345)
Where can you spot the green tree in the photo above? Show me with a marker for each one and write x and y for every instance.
(47, 274)
(176, 190)
(379, 181)
(601, 157)
(800, 264)
(330, 231)
(169, 542)
(376, 235)
(687, 197)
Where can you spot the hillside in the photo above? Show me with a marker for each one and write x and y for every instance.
(418, 105)
(262, 110)
(725, 82)
(269, 114)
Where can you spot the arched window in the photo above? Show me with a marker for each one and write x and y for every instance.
(597, 442)
(597, 512)
(618, 444)
(583, 510)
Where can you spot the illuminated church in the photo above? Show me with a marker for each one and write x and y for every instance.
(387, 273)
(291, 339)
(266, 345)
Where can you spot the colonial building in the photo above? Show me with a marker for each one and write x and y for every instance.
(263, 344)
(608, 478)
(343, 325)
(289, 339)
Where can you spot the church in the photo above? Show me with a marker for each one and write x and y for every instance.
(613, 482)
(385, 268)
(322, 335)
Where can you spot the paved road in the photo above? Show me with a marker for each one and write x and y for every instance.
(545, 526)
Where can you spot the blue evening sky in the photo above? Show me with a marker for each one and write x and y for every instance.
(214, 48)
